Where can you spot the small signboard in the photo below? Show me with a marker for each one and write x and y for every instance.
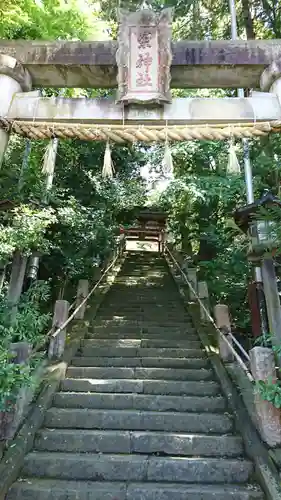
(144, 56)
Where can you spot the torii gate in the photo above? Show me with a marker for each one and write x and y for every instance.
(252, 64)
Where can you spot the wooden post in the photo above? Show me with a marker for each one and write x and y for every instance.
(82, 292)
(57, 344)
(268, 417)
(192, 277)
(272, 301)
(21, 352)
(203, 294)
(222, 319)
(16, 281)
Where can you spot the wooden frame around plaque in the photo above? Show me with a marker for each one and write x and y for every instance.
(144, 56)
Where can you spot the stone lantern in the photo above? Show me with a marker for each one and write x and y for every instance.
(261, 232)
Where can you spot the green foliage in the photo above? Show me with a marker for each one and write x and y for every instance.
(270, 390)
(12, 378)
(46, 19)
(24, 229)
(29, 323)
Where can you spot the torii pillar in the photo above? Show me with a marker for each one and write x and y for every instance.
(271, 82)
(13, 78)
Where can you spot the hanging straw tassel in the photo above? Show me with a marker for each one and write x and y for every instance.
(233, 166)
(108, 167)
(167, 159)
(49, 159)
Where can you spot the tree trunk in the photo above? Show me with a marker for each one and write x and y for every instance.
(248, 20)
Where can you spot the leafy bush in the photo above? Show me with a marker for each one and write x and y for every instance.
(29, 323)
(12, 378)
(24, 229)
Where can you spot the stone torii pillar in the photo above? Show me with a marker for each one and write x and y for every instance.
(271, 82)
(271, 79)
(13, 78)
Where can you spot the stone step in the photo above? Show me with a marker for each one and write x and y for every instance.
(142, 316)
(136, 468)
(138, 420)
(162, 491)
(147, 299)
(139, 402)
(150, 352)
(145, 342)
(139, 329)
(172, 387)
(48, 489)
(106, 372)
(139, 335)
(147, 362)
(149, 443)
(150, 326)
(140, 307)
(141, 294)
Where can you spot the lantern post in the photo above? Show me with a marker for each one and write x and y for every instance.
(263, 243)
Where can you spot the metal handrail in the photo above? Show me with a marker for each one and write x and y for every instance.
(51, 332)
(211, 319)
(71, 317)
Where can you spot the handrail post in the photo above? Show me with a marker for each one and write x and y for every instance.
(268, 416)
(57, 343)
(82, 293)
(203, 295)
(192, 277)
(222, 319)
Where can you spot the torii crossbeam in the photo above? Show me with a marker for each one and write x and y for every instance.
(139, 64)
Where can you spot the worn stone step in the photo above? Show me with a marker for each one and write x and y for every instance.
(121, 332)
(139, 373)
(173, 387)
(138, 420)
(164, 491)
(150, 443)
(145, 342)
(142, 315)
(129, 326)
(139, 402)
(150, 352)
(159, 307)
(181, 325)
(148, 362)
(168, 294)
(150, 299)
(140, 328)
(48, 489)
(103, 467)
(139, 335)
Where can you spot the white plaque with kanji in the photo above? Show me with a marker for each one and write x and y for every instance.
(144, 56)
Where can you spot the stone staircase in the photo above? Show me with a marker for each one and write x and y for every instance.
(140, 415)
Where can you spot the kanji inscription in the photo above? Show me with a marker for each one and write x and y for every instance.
(144, 56)
(143, 64)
